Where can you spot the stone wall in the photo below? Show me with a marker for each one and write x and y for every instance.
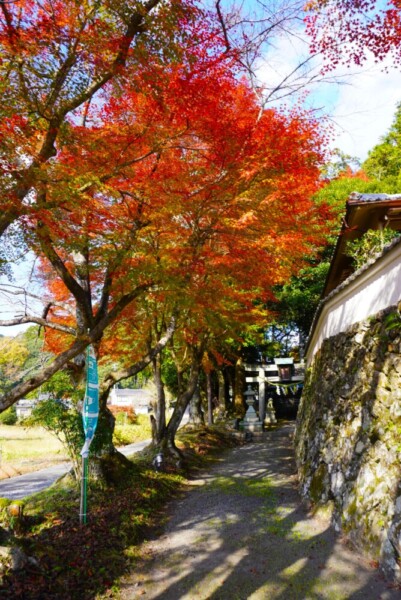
(348, 439)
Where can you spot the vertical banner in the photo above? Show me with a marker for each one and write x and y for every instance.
(90, 411)
(90, 414)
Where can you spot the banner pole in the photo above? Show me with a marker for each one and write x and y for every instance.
(90, 413)
(84, 484)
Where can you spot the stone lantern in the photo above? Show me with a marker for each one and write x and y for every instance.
(251, 420)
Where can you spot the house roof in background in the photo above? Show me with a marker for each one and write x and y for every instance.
(131, 393)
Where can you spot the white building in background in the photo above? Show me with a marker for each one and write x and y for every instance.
(139, 400)
(24, 408)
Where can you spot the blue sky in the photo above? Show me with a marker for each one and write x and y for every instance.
(362, 111)
(360, 107)
(359, 102)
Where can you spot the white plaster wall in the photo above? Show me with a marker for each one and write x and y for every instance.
(376, 288)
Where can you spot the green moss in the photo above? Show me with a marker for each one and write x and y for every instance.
(352, 508)
(17, 502)
(4, 516)
(4, 502)
(261, 488)
(318, 483)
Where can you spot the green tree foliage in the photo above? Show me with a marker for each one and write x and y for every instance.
(299, 297)
(19, 355)
(13, 355)
(9, 416)
(170, 373)
(384, 160)
(64, 422)
(59, 413)
(364, 248)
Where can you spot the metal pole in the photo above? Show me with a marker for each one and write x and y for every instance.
(84, 484)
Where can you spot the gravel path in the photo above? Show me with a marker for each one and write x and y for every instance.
(241, 532)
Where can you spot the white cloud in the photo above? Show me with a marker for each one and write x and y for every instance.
(364, 109)
(359, 102)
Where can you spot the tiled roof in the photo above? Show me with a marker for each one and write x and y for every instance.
(363, 212)
(356, 197)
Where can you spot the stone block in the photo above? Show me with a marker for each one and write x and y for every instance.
(360, 447)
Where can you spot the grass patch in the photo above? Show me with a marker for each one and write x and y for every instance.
(130, 433)
(259, 488)
(80, 562)
(21, 446)
(24, 449)
(203, 445)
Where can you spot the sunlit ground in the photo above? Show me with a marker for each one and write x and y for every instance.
(25, 449)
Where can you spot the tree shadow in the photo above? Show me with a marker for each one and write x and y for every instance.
(247, 534)
(63, 560)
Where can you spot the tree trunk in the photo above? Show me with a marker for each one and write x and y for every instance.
(160, 408)
(229, 378)
(239, 404)
(167, 443)
(196, 416)
(153, 427)
(223, 391)
(105, 461)
(209, 394)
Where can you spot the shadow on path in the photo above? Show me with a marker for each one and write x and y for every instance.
(243, 533)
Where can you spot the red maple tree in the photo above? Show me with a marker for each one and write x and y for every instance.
(349, 30)
(74, 80)
(171, 189)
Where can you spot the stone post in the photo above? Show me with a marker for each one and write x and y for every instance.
(262, 392)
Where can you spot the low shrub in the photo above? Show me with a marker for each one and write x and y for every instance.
(123, 435)
(124, 414)
(9, 416)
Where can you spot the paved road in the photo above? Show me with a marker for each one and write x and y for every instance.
(30, 483)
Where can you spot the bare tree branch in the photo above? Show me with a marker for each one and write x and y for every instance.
(76, 348)
(223, 24)
(11, 290)
(38, 321)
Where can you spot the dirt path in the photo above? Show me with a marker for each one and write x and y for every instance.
(241, 532)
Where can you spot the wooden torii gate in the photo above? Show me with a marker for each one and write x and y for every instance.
(283, 371)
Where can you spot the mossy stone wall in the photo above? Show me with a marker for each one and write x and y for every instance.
(348, 437)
